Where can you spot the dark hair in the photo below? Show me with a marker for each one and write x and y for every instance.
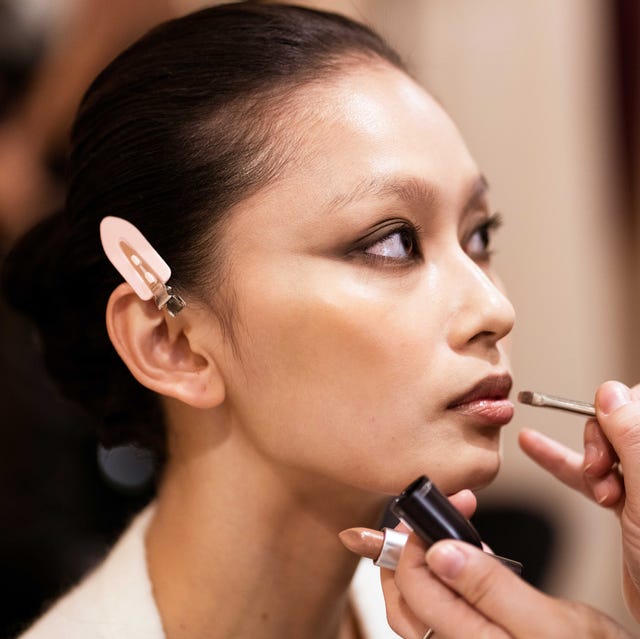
(178, 128)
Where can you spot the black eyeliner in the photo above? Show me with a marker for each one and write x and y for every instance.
(381, 233)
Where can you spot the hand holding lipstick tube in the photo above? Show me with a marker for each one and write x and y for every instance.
(487, 600)
(490, 600)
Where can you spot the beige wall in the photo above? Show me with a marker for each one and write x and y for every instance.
(530, 86)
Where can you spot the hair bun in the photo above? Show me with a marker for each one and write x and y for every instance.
(61, 281)
(31, 278)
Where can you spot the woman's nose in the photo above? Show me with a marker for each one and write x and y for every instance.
(481, 314)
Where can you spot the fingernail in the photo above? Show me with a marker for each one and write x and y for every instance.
(445, 560)
(591, 455)
(617, 395)
(601, 494)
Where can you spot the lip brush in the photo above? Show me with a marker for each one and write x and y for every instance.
(550, 401)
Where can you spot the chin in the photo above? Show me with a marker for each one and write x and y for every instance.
(469, 466)
(486, 469)
(474, 472)
(486, 475)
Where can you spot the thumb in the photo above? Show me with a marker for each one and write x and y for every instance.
(492, 589)
(619, 417)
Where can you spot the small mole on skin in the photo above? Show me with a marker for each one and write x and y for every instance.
(264, 616)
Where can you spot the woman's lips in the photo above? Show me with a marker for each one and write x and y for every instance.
(491, 411)
(487, 401)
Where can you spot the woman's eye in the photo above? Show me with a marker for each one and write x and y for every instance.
(397, 245)
(478, 244)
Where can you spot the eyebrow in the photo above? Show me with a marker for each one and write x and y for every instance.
(478, 192)
(407, 189)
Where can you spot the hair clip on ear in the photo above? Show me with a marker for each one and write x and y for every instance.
(139, 263)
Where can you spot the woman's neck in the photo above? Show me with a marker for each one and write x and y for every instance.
(238, 547)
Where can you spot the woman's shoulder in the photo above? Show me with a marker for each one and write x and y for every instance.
(114, 601)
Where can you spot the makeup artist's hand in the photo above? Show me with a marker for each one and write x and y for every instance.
(610, 442)
(467, 593)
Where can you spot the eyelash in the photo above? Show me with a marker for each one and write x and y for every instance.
(409, 230)
(486, 228)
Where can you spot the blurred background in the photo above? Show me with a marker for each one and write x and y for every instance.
(546, 94)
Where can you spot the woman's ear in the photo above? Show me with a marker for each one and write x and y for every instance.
(157, 350)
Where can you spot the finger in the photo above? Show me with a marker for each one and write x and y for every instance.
(619, 417)
(568, 466)
(601, 473)
(608, 491)
(562, 462)
(434, 604)
(599, 455)
(399, 616)
(465, 501)
(501, 597)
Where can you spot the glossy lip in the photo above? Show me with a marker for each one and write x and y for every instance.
(487, 401)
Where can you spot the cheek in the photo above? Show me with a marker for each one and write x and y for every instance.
(338, 366)
(346, 339)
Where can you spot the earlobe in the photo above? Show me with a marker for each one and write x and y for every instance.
(157, 350)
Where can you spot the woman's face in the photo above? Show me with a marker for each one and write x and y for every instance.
(366, 307)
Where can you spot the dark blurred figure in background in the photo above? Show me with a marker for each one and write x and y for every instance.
(62, 501)
(49, 53)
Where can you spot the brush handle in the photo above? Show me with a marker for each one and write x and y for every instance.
(551, 401)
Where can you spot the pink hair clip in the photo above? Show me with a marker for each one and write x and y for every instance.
(139, 263)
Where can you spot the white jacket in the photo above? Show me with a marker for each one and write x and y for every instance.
(115, 601)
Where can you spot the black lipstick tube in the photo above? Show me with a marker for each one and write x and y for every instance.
(433, 517)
